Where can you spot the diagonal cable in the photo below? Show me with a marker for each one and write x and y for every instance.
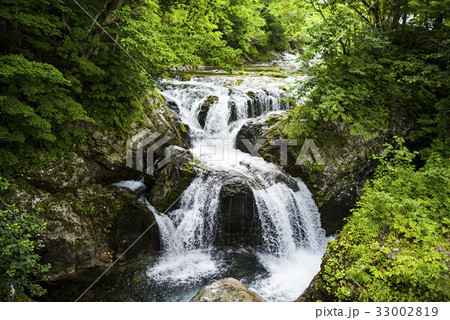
(117, 43)
(345, 31)
(123, 253)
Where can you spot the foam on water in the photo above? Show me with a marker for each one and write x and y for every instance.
(293, 240)
(190, 267)
(289, 275)
(130, 184)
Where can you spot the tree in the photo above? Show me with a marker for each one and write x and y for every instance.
(378, 60)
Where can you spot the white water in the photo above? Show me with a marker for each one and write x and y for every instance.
(130, 184)
(293, 240)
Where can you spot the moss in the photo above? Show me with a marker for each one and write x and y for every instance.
(22, 297)
(183, 128)
(185, 77)
(332, 138)
(210, 101)
(277, 74)
(186, 176)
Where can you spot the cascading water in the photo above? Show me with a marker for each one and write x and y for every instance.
(215, 108)
(197, 239)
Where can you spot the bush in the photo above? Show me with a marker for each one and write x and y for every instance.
(19, 263)
(395, 245)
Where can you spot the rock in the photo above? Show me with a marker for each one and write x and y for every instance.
(233, 114)
(226, 290)
(256, 130)
(259, 103)
(237, 221)
(90, 226)
(315, 292)
(70, 172)
(203, 113)
(106, 154)
(171, 180)
(172, 105)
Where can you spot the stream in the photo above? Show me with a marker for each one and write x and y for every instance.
(292, 240)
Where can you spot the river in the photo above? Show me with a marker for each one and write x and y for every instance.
(292, 241)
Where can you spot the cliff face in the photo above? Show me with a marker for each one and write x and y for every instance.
(90, 222)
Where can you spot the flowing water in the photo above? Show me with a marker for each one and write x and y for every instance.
(292, 239)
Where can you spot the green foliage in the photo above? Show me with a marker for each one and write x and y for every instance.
(395, 245)
(19, 263)
(35, 110)
(59, 68)
(372, 71)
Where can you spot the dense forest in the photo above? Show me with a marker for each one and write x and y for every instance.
(68, 65)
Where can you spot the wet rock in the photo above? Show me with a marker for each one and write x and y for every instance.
(203, 113)
(226, 290)
(238, 221)
(172, 105)
(233, 114)
(256, 131)
(169, 181)
(259, 103)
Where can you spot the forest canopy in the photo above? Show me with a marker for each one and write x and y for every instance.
(68, 62)
(66, 65)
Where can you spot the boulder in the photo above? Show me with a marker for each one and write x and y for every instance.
(90, 226)
(226, 290)
(237, 219)
(204, 109)
(169, 182)
(258, 129)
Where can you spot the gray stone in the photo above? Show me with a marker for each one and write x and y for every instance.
(226, 290)
(237, 220)
(204, 109)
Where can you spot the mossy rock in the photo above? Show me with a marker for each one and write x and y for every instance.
(171, 180)
(204, 109)
(226, 290)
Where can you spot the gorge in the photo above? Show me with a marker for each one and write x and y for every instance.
(239, 215)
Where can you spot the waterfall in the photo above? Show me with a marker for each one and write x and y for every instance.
(287, 214)
(192, 226)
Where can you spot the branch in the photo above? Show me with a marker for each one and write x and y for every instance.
(67, 25)
(361, 15)
(98, 15)
(318, 10)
